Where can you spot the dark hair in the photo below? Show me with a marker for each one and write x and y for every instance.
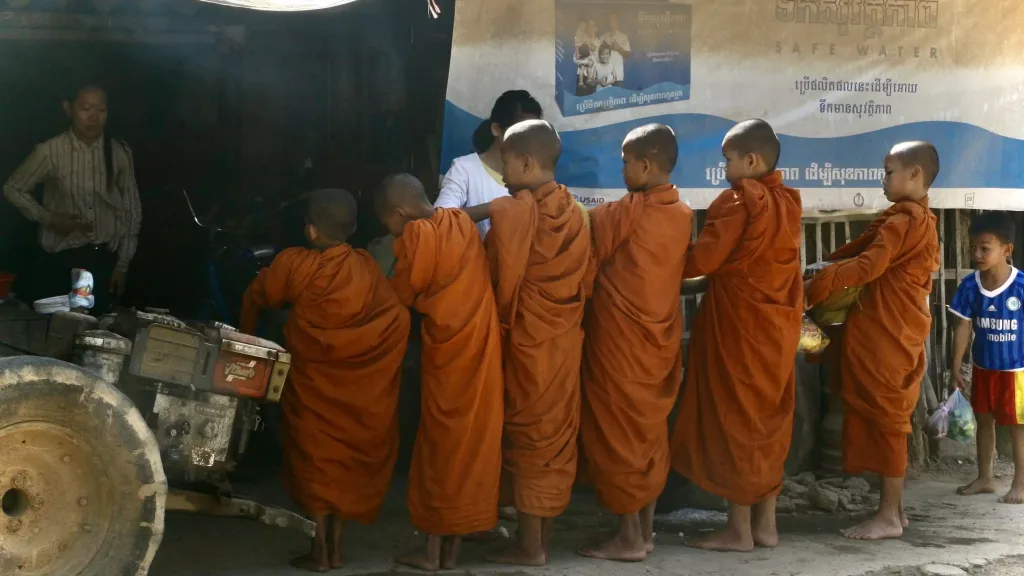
(538, 139)
(333, 211)
(997, 223)
(655, 143)
(584, 51)
(506, 112)
(108, 153)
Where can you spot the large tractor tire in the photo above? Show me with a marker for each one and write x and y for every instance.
(81, 482)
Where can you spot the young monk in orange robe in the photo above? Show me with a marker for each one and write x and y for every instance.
(882, 358)
(632, 360)
(441, 269)
(735, 418)
(347, 333)
(539, 248)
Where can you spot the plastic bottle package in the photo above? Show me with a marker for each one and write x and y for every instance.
(953, 420)
(81, 289)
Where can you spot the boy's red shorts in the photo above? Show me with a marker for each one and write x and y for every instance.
(999, 393)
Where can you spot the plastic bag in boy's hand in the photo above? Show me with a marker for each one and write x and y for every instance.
(953, 420)
(812, 339)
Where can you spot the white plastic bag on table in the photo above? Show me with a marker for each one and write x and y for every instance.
(953, 420)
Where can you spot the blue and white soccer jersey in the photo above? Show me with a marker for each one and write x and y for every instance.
(997, 319)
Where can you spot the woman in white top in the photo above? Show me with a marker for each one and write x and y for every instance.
(475, 179)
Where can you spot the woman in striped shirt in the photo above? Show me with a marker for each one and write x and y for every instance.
(90, 212)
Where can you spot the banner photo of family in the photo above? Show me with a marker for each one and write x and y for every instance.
(611, 56)
(841, 82)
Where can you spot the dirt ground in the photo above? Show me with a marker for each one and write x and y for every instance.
(975, 534)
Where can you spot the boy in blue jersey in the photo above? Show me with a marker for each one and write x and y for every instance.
(989, 301)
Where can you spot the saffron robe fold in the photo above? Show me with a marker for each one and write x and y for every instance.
(882, 358)
(539, 249)
(734, 425)
(347, 333)
(441, 269)
(632, 356)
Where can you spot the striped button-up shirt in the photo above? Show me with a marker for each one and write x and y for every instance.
(74, 179)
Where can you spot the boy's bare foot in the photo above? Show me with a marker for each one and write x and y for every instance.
(615, 549)
(596, 538)
(334, 544)
(420, 561)
(514, 555)
(979, 486)
(765, 537)
(904, 521)
(878, 527)
(723, 541)
(763, 529)
(311, 563)
(450, 549)
(1014, 496)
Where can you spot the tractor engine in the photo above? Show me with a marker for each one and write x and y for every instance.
(199, 388)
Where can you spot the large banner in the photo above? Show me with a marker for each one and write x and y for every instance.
(840, 80)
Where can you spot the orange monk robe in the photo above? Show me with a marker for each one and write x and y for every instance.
(735, 419)
(347, 333)
(883, 359)
(539, 248)
(441, 269)
(632, 360)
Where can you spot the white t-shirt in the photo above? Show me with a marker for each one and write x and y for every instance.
(605, 74)
(470, 183)
(622, 40)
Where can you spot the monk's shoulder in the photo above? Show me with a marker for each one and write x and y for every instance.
(728, 202)
(295, 256)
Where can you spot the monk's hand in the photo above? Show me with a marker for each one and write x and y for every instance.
(807, 288)
(66, 224)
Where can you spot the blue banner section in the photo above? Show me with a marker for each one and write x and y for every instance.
(614, 55)
(973, 157)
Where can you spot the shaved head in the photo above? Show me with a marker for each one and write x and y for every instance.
(333, 211)
(400, 190)
(754, 137)
(655, 143)
(536, 139)
(921, 154)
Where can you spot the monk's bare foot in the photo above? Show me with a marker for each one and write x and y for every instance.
(1014, 496)
(311, 563)
(450, 549)
(508, 513)
(979, 486)
(516, 556)
(723, 541)
(878, 527)
(765, 537)
(904, 521)
(617, 550)
(596, 538)
(419, 561)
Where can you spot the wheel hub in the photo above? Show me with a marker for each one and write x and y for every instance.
(56, 499)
